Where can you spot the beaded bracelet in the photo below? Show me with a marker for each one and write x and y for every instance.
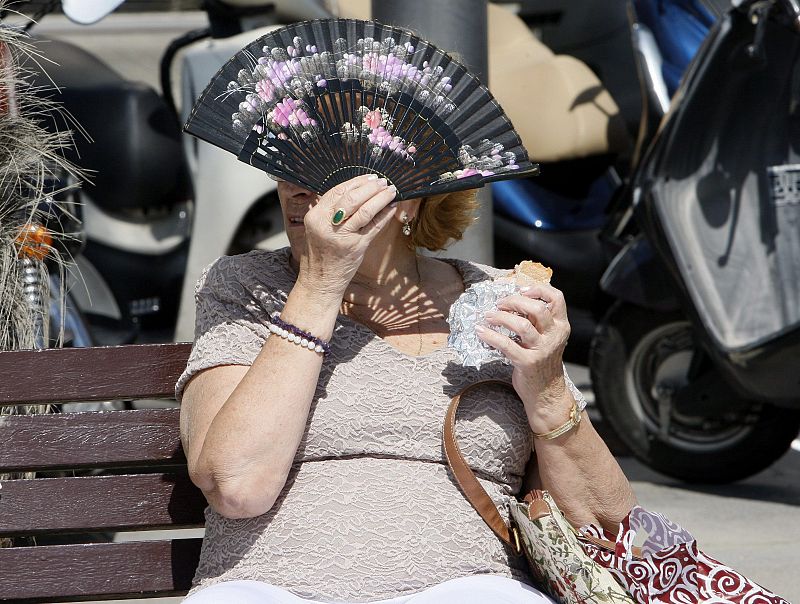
(294, 334)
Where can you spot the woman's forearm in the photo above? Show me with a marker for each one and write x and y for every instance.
(582, 475)
(576, 467)
(250, 445)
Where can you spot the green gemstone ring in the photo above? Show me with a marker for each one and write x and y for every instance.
(339, 217)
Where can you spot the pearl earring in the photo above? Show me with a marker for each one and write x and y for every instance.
(406, 224)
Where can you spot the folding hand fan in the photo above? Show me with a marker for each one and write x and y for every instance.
(319, 102)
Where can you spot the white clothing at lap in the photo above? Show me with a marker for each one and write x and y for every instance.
(477, 589)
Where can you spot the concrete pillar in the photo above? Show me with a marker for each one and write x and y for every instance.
(458, 26)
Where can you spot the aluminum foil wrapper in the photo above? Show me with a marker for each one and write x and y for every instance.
(469, 311)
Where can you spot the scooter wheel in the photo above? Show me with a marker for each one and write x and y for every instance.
(663, 397)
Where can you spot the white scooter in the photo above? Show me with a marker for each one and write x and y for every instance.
(236, 206)
(161, 205)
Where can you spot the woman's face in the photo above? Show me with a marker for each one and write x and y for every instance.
(295, 202)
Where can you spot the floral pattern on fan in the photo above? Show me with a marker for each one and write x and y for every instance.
(491, 160)
(290, 113)
(376, 126)
(283, 76)
(319, 102)
(297, 70)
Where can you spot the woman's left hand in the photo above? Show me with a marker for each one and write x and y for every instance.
(538, 315)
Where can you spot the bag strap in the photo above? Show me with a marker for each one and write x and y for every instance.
(465, 477)
(480, 500)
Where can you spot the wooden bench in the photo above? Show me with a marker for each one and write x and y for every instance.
(144, 483)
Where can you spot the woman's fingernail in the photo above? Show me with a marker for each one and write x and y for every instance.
(372, 177)
(382, 181)
(490, 314)
(393, 189)
(525, 288)
(480, 329)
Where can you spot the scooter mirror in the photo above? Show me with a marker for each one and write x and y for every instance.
(86, 12)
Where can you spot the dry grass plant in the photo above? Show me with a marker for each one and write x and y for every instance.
(30, 159)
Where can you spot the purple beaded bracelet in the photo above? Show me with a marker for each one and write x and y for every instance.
(294, 334)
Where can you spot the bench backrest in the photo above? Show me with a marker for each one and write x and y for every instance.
(144, 484)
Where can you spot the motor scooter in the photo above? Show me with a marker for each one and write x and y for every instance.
(694, 365)
(158, 207)
(136, 202)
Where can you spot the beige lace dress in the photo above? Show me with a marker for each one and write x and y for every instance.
(370, 510)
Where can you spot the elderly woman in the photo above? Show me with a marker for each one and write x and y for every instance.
(320, 455)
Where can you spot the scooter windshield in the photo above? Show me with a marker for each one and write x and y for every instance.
(725, 183)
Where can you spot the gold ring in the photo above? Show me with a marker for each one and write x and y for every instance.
(339, 216)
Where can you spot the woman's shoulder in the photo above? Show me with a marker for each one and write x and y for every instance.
(474, 272)
(255, 269)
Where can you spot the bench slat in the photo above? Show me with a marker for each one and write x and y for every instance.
(90, 440)
(94, 503)
(82, 572)
(91, 374)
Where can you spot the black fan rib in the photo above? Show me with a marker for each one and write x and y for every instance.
(328, 160)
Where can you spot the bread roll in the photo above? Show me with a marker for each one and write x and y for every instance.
(528, 273)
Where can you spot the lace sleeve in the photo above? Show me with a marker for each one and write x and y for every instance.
(577, 394)
(231, 322)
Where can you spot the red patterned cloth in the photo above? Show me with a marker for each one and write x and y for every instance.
(671, 568)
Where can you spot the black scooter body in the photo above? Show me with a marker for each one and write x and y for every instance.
(135, 151)
(647, 270)
(695, 363)
(129, 142)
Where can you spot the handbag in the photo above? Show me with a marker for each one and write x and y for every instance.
(670, 567)
(538, 530)
(593, 566)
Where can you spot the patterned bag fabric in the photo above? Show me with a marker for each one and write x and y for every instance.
(556, 558)
(592, 566)
(669, 567)
(557, 561)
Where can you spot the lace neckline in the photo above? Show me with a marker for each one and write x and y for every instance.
(469, 274)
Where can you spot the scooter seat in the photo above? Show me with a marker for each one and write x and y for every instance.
(132, 143)
(71, 66)
(559, 107)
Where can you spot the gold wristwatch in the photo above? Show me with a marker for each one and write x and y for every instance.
(573, 421)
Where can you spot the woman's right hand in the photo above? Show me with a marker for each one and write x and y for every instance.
(333, 253)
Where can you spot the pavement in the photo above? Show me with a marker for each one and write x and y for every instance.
(752, 525)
